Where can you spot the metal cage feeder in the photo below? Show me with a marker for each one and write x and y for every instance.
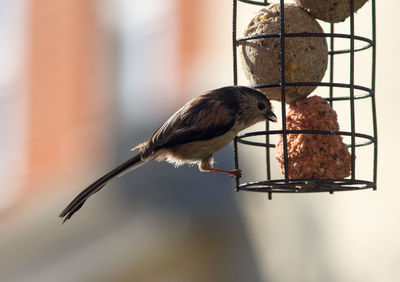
(357, 139)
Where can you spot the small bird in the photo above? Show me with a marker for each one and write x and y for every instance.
(193, 134)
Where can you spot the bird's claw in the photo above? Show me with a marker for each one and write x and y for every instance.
(237, 173)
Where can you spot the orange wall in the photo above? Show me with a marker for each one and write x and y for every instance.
(62, 92)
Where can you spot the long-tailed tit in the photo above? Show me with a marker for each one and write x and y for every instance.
(193, 134)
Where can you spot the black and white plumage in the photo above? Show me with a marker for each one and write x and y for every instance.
(193, 134)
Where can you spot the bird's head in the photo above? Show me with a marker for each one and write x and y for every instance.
(254, 106)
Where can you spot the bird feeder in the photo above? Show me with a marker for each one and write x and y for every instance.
(291, 81)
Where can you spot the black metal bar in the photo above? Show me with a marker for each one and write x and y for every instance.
(343, 85)
(331, 64)
(268, 153)
(352, 108)
(370, 139)
(306, 34)
(236, 160)
(303, 186)
(304, 131)
(234, 52)
(283, 86)
(345, 51)
(234, 42)
(264, 3)
(374, 122)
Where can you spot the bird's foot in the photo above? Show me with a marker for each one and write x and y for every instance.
(237, 173)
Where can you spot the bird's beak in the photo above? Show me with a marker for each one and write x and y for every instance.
(271, 117)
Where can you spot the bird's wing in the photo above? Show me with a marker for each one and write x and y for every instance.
(200, 119)
(204, 117)
(165, 131)
(192, 134)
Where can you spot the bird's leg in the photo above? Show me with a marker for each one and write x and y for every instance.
(207, 165)
(236, 172)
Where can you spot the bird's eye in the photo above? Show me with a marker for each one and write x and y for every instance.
(261, 106)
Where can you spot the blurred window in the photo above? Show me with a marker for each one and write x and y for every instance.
(13, 99)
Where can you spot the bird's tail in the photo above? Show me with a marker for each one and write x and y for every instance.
(96, 186)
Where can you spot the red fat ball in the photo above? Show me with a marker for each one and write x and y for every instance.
(314, 155)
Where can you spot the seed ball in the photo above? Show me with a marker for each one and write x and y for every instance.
(332, 11)
(305, 57)
(313, 155)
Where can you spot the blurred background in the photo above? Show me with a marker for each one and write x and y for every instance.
(82, 82)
